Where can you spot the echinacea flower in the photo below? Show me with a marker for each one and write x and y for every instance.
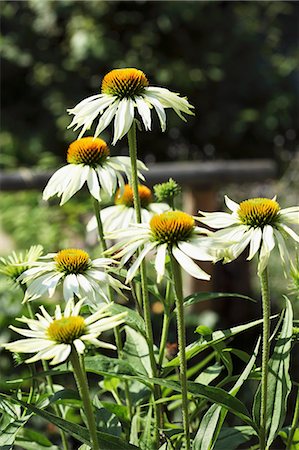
(78, 274)
(53, 338)
(15, 264)
(172, 232)
(122, 213)
(89, 161)
(122, 91)
(257, 222)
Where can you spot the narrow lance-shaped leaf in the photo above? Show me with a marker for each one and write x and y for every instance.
(212, 421)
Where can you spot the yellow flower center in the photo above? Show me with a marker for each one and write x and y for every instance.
(124, 82)
(171, 227)
(258, 212)
(88, 151)
(72, 260)
(66, 329)
(127, 198)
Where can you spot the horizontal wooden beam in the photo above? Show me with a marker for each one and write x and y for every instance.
(190, 173)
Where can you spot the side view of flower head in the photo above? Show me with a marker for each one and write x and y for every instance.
(122, 91)
(15, 264)
(257, 222)
(78, 274)
(53, 337)
(171, 232)
(122, 213)
(89, 161)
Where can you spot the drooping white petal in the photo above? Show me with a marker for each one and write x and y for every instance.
(106, 118)
(267, 246)
(160, 261)
(70, 287)
(160, 111)
(255, 243)
(123, 118)
(59, 178)
(283, 251)
(218, 219)
(62, 353)
(189, 265)
(289, 231)
(80, 347)
(196, 251)
(79, 177)
(47, 353)
(133, 269)
(144, 111)
(28, 333)
(93, 184)
(29, 345)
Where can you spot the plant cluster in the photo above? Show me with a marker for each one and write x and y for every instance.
(150, 396)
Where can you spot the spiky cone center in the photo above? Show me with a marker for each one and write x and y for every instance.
(72, 260)
(127, 197)
(124, 82)
(66, 329)
(88, 151)
(258, 212)
(171, 227)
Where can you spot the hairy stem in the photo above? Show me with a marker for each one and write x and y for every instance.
(178, 291)
(295, 423)
(82, 384)
(265, 355)
(146, 305)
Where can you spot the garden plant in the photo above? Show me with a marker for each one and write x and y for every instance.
(78, 322)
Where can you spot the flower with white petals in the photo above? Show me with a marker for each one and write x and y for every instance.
(15, 264)
(122, 91)
(172, 232)
(89, 161)
(257, 222)
(54, 337)
(122, 213)
(78, 274)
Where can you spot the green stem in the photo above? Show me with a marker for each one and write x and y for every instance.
(164, 335)
(83, 389)
(178, 291)
(294, 425)
(97, 210)
(146, 305)
(265, 355)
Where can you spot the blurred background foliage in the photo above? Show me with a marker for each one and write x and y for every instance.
(236, 62)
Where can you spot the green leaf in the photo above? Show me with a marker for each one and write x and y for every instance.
(79, 432)
(218, 336)
(136, 352)
(8, 432)
(209, 374)
(108, 366)
(199, 297)
(133, 319)
(34, 437)
(279, 383)
(120, 411)
(106, 421)
(213, 419)
(231, 438)
(284, 434)
(65, 394)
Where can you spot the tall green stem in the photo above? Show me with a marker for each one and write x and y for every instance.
(97, 211)
(83, 389)
(164, 334)
(265, 355)
(295, 424)
(178, 291)
(146, 305)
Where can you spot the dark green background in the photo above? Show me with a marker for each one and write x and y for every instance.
(236, 62)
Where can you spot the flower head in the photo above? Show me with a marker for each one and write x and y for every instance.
(53, 337)
(172, 232)
(78, 274)
(15, 264)
(122, 213)
(166, 192)
(123, 90)
(89, 161)
(257, 222)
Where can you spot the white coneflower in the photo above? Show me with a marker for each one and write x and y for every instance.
(122, 213)
(172, 232)
(53, 338)
(257, 222)
(15, 264)
(123, 90)
(89, 161)
(78, 274)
